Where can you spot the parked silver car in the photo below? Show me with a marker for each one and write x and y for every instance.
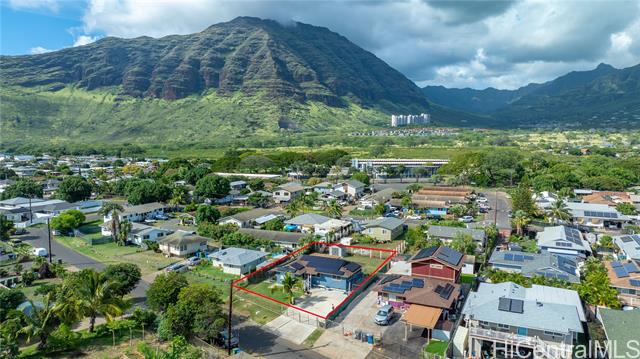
(384, 315)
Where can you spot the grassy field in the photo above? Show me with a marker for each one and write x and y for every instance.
(29, 291)
(467, 278)
(206, 273)
(369, 264)
(110, 252)
(259, 309)
(436, 347)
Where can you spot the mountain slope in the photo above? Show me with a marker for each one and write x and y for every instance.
(604, 96)
(249, 55)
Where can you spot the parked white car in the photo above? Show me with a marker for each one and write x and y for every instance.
(482, 200)
(466, 219)
(40, 252)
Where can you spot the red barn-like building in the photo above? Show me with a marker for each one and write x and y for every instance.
(438, 262)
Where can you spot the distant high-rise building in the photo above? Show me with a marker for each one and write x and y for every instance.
(404, 120)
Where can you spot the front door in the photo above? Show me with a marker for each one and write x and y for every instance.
(523, 331)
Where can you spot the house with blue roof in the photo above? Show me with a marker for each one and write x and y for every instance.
(318, 270)
(544, 264)
(537, 322)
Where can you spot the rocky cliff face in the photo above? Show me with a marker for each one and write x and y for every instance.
(247, 54)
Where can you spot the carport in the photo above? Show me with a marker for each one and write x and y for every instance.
(420, 316)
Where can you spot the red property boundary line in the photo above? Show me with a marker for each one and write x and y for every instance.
(353, 291)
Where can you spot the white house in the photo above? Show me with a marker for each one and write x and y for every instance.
(182, 243)
(140, 212)
(247, 219)
(287, 192)
(139, 232)
(353, 188)
(237, 260)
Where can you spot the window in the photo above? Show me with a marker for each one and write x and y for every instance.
(503, 326)
(553, 334)
(160, 234)
(146, 236)
(435, 266)
(483, 323)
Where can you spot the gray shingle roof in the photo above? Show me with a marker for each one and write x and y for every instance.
(308, 219)
(389, 223)
(544, 308)
(237, 256)
(531, 264)
(562, 237)
(274, 236)
(451, 232)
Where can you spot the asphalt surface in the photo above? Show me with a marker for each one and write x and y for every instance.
(502, 204)
(37, 237)
(257, 339)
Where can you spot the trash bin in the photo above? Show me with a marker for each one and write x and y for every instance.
(370, 338)
(364, 337)
(357, 335)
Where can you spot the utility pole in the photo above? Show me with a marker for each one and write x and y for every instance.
(495, 214)
(49, 235)
(30, 211)
(229, 319)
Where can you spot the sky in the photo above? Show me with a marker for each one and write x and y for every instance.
(503, 44)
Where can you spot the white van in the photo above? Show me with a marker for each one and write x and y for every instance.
(40, 252)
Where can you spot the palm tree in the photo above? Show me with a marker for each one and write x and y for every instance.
(419, 172)
(559, 212)
(178, 196)
(520, 220)
(334, 209)
(123, 233)
(388, 172)
(289, 283)
(113, 210)
(92, 295)
(400, 171)
(293, 208)
(40, 321)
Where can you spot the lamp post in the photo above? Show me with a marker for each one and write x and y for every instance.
(229, 319)
(49, 236)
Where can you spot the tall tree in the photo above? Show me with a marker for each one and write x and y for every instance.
(520, 220)
(464, 243)
(39, 320)
(419, 172)
(522, 200)
(23, 187)
(288, 285)
(334, 209)
(6, 226)
(559, 212)
(164, 290)
(123, 233)
(124, 277)
(74, 188)
(112, 210)
(400, 170)
(207, 213)
(93, 294)
(212, 187)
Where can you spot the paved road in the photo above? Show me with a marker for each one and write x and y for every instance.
(499, 201)
(266, 344)
(37, 237)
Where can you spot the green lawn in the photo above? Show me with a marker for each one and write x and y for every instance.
(206, 273)
(368, 264)
(29, 291)
(437, 347)
(108, 253)
(311, 339)
(259, 309)
(467, 278)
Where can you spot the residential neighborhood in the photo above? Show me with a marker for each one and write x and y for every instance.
(400, 269)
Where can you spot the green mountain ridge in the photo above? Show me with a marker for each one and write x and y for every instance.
(605, 96)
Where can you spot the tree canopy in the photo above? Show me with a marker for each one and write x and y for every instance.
(73, 189)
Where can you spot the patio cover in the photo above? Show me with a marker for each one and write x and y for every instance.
(422, 316)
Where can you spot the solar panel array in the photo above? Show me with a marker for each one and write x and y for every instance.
(511, 305)
(553, 275)
(601, 214)
(403, 286)
(623, 270)
(449, 255)
(426, 252)
(573, 235)
(389, 278)
(444, 292)
(563, 244)
(635, 282)
(626, 239)
(567, 265)
(353, 267)
(517, 257)
(325, 265)
(296, 266)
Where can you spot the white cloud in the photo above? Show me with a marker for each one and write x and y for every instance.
(461, 43)
(39, 50)
(84, 40)
(51, 5)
